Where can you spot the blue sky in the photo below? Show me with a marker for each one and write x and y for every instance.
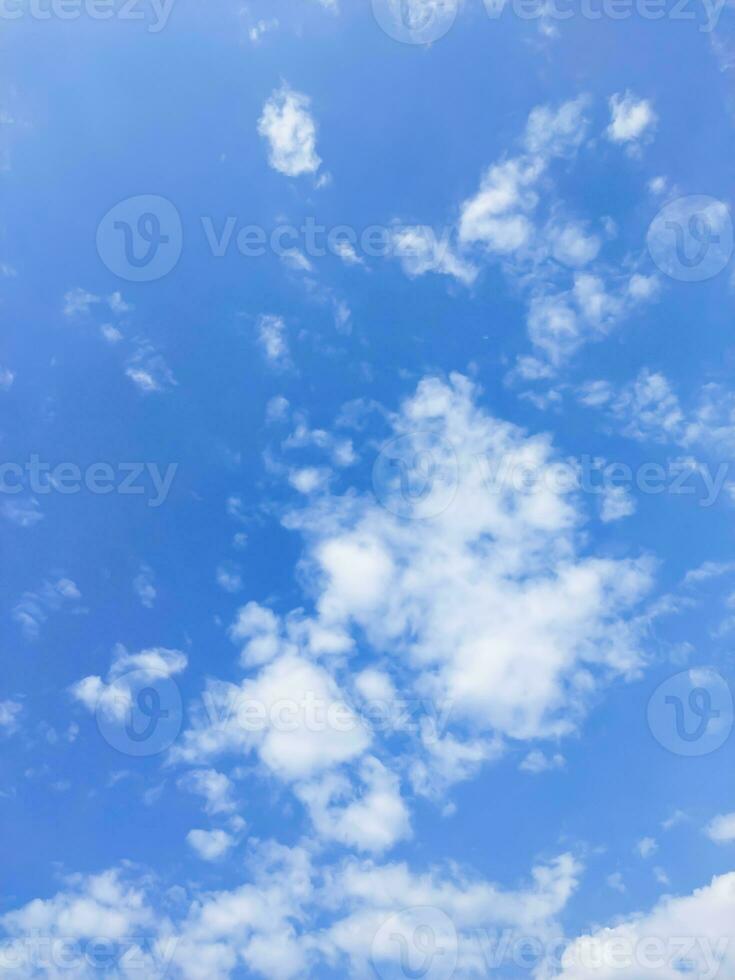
(368, 600)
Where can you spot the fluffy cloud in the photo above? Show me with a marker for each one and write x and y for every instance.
(210, 845)
(289, 128)
(470, 593)
(374, 821)
(290, 919)
(115, 696)
(214, 787)
(721, 830)
(490, 601)
(689, 936)
(498, 216)
(378, 895)
(292, 714)
(100, 905)
(632, 119)
(616, 503)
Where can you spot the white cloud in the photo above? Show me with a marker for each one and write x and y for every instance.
(420, 250)
(117, 304)
(229, 578)
(478, 600)
(646, 847)
(290, 130)
(24, 513)
(273, 341)
(375, 893)
(295, 259)
(496, 216)
(537, 762)
(560, 132)
(290, 919)
(144, 588)
(214, 787)
(339, 448)
(78, 302)
(97, 905)
(572, 245)
(111, 334)
(210, 845)
(33, 608)
(346, 251)
(148, 370)
(689, 935)
(657, 185)
(375, 685)
(517, 219)
(258, 629)
(649, 409)
(615, 881)
(499, 215)
(292, 713)
(262, 27)
(9, 713)
(721, 830)
(372, 821)
(632, 119)
(616, 503)
(277, 409)
(309, 479)
(114, 696)
(492, 614)
(7, 377)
